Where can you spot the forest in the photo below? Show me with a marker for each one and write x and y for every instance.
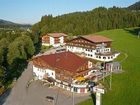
(81, 23)
(16, 47)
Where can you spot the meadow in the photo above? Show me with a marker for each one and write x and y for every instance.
(125, 86)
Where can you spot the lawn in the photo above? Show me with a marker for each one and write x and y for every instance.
(125, 86)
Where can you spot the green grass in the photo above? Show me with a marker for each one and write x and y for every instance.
(45, 48)
(125, 86)
(87, 102)
(122, 57)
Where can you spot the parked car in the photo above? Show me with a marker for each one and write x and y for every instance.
(49, 98)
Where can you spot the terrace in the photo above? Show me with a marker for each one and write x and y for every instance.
(112, 52)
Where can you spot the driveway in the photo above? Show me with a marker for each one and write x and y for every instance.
(35, 94)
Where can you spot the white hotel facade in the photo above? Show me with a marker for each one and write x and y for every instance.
(95, 47)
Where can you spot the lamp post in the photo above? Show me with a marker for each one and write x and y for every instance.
(73, 96)
(72, 86)
(111, 77)
(103, 70)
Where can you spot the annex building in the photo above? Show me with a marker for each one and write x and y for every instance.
(54, 39)
(93, 46)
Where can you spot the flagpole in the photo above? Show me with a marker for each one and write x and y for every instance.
(111, 77)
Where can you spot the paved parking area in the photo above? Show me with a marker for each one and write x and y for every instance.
(35, 94)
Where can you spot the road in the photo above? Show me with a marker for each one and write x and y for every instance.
(35, 94)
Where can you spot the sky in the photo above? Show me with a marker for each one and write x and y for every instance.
(31, 11)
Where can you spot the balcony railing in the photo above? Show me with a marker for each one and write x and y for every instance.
(112, 52)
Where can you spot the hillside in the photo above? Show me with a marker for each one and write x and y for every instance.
(135, 6)
(4, 22)
(80, 23)
(125, 86)
(9, 24)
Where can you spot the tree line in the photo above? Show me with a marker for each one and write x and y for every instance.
(16, 47)
(80, 23)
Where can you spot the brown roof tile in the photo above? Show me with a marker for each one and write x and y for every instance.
(97, 38)
(56, 34)
(64, 60)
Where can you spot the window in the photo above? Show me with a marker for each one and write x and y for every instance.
(108, 57)
(104, 57)
(100, 57)
(52, 73)
(96, 56)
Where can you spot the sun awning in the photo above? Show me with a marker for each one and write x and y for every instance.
(80, 79)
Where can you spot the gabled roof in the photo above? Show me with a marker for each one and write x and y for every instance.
(65, 61)
(56, 34)
(96, 38)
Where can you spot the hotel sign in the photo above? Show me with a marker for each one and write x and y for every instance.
(98, 90)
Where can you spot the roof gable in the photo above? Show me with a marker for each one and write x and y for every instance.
(79, 38)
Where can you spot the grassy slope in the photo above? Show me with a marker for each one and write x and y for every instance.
(125, 86)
